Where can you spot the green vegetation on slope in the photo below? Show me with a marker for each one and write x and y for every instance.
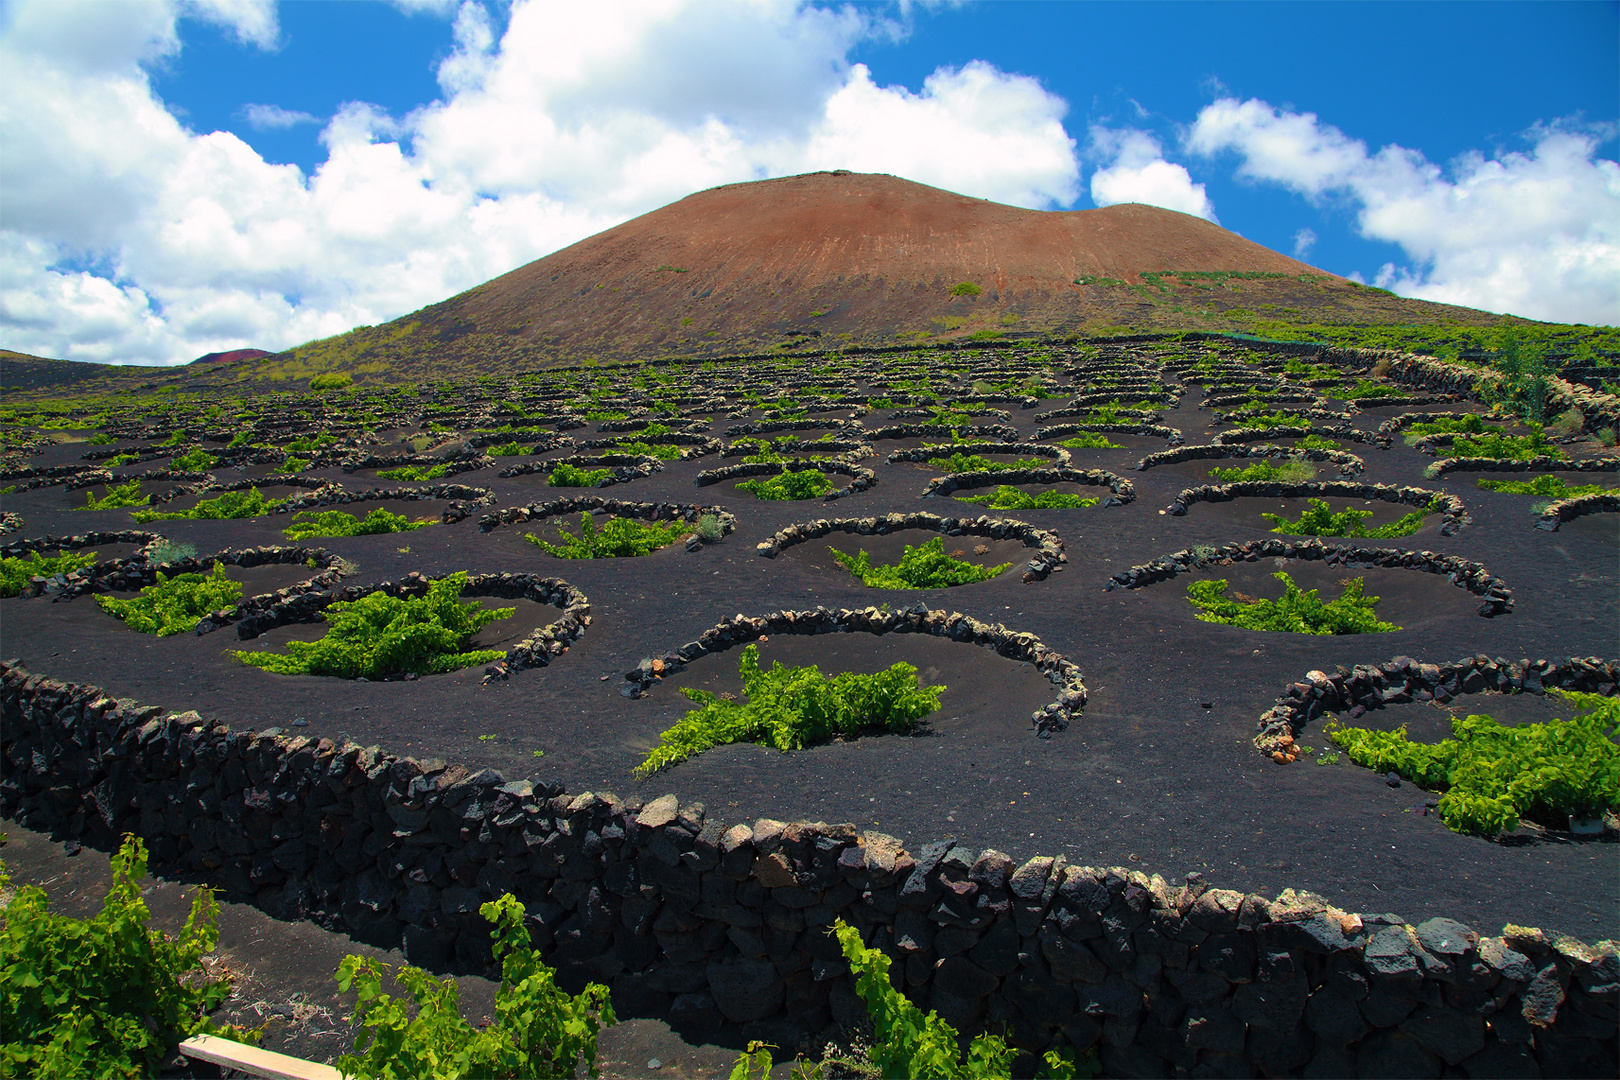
(924, 567)
(1295, 613)
(619, 538)
(174, 605)
(1320, 520)
(1007, 497)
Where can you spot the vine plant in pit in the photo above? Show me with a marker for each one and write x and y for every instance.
(1295, 613)
(174, 605)
(618, 538)
(923, 567)
(1321, 520)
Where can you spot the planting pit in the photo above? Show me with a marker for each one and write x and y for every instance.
(527, 618)
(1244, 513)
(887, 549)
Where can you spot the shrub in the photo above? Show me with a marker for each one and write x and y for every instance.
(116, 498)
(1506, 447)
(296, 464)
(619, 538)
(566, 475)
(168, 551)
(959, 462)
(790, 708)
(906, 1043)
(1450, 425)
(101, 438)
(1090, 440)
(229, 506)
(1289, 472)
(1296, 613)
(539, 1030)
(173, 605)
(661, 451)
(709, 529)
(965, 288)
(312, 523)
(15, 573)
(1316, 442)
(195, 460)
(925, 567)
(1007, 497)
(1366, 389)
(103, 996)
(511, 449)
(1493, 774)
(414, 472)
(331, 381)
(1547, 486)
(304, 444)
(1320, 520)
(380, 635)
(789, 486)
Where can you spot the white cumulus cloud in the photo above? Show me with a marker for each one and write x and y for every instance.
(1533, 233)
(275, 118)
(126, 236)
(1138, 172)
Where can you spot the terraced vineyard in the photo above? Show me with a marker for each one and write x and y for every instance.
(1086, 713)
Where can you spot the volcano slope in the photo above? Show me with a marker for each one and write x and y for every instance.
(1159, 773)
(837, 257)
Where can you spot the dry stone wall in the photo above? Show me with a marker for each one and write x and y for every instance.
(690, 918)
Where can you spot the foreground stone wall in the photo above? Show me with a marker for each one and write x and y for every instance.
(691, 919)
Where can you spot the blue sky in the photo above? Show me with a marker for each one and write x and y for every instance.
(186, 175)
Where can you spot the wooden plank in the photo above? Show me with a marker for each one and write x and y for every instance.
(251, 1059)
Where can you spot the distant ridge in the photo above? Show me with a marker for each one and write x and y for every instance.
(229, 357)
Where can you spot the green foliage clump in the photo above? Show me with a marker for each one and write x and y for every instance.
(169, 551)
(1547, 485)
(1316, 442)
(414, 472)
(173, 605)
(1506, 447)
(511, 449)
(1296, 613)
(116, 498)
(1288, 472)
(1452, 425)
(105, 996)
(331, 381)
(661, 451)
(906, 1043)
(1090, 440)
(959, 462)
(789, 486)
(101, 438)
(539, 1030)
(1007, 497)
(15, 573)
(925, 567)
(619, 538)
(195, 460)
(1274, 419)
(1494, 774)
(709, 529)
(380, 635)
(791, 708)
(227, 507)
(1320, 520)
(296, 464)
(1366, 389)
(566, 475)
(312, 523)
(965, 288)
(304, 444)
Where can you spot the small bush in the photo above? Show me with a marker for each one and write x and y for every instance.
(511, 449)
(1506, 447)
(312, 523)
(959, 462)
(15, 573)
(168, 551)
(116, 498)
(296, 464)
(660, 451)
(1450, 425)
(1493, 774)
(1090, 440)
(1007, 497)
(709, 529)
(304, 443)
(1296, 613)
(1365, 390)
(195, 460)
(789, 486)
(925, 567)
(104, 996)
(791, 708)
(380, 635)
(174, 605)
(619, 538)
(1320, 520)
(1289, 472)
(101, 438)
(1547, 486)
(414, 472)
(331, 381)
(539, 1030)
(227, 507)
(965, 288)
(566, 475)
(1317, 442)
